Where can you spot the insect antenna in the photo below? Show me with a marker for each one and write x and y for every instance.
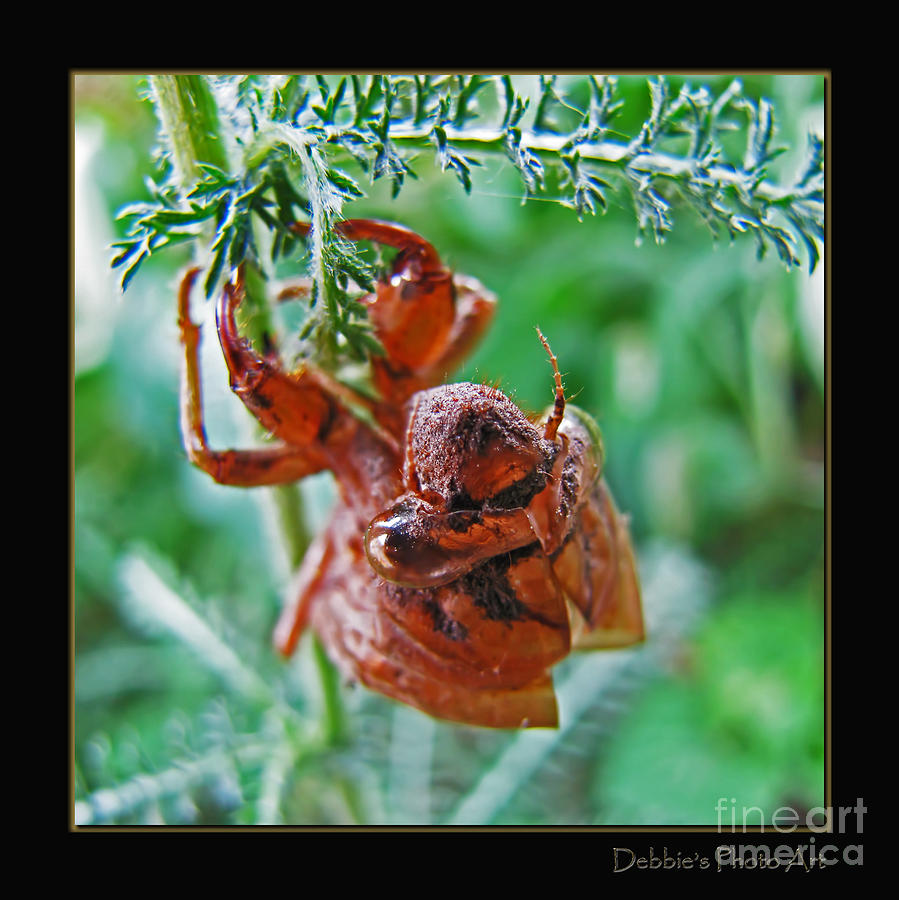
(558, 413)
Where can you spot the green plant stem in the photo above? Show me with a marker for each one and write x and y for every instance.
(189, 117)
(333, 717)
(610, 153)
(296, 538)
(294, 534)
(190, 120)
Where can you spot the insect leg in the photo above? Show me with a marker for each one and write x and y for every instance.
(291, 406)
(413, 308)
(415, 547)
(389, 234)
(305, 587)
(276, 464)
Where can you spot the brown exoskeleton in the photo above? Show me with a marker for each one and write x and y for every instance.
(472, 546)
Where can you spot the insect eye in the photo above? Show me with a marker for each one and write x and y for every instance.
(398, 547)
(398, 542)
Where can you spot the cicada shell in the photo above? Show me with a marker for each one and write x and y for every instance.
(472, 546)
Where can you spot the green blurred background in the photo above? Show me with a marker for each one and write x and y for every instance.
(705, 369)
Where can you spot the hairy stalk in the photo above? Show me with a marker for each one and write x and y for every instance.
(288, 505)
(334, 719)
(190, 123)
(195, 135)
(609, 153)
(323, 215)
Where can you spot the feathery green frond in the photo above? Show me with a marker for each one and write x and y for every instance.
(290, 139)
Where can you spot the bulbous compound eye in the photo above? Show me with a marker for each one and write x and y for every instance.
(401, 550)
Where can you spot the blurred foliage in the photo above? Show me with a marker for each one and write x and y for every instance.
(742, 721)
(704, 368)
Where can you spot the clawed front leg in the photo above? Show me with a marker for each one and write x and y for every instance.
(278, 464)
(427, 319)
(416, 545)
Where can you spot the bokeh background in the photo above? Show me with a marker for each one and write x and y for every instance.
(704, 367)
